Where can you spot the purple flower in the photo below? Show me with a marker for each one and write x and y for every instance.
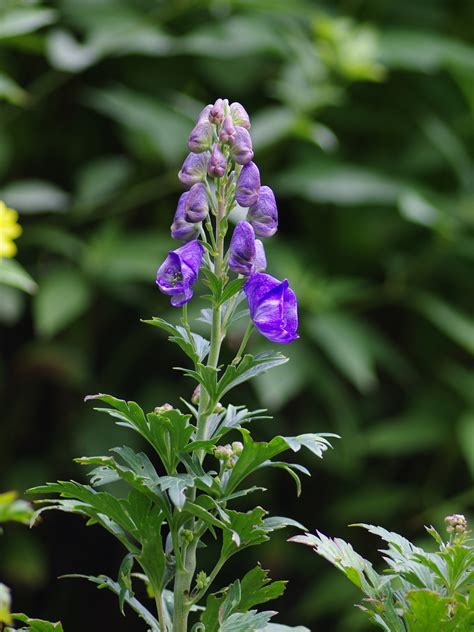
(194, 168)
(260, 258)
(241, 147)
(216, 113)
(179, 272)
(263, 215)
(273, 307)
(239, 115)
(196, 205)
(242, 249)
(248, 185)
(228, 131)
(200, 138)
(217, 165)
(204, 114)
(180, 228)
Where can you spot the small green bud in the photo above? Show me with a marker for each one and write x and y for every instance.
(187, 535)
(223, 452)
(201, 580)
(219, 408)
(163, 409)
(229, 464)
(237, 448)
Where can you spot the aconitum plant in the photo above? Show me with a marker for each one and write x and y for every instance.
(185, 492)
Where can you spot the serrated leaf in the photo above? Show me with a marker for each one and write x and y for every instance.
(176, 487)
(250, 530)
(194, 346)
(251, 621)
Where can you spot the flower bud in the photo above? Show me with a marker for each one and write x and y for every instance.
(242, 249)
(223, 452)
(228, 131)
(200, 138)
(239, 115)
(260, 258)
(237, 448)
(216, 113)
(248, 185)
(204, 114)
(194, 168)
(159, 410)
(263, 215)
(241, 146)
(187, 535)
(196, 395)
(456, 523)
(202, 580)
(196, 206)
(181, 229)
(217, 165)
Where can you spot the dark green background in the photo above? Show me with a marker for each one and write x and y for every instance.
(363, 124)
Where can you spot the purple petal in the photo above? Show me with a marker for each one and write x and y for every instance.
(179, 271)
(241, 147)
(194, 168)
(239, 115)
(248, 185)
(180, 228)
(196, 205)
(260, 258)
(263, 215)
(217, 165)
(273, 307)
(242, 249)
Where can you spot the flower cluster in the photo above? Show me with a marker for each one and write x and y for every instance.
(456, 523)
(10, 230)
(219, 173)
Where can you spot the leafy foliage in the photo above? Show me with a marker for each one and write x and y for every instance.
(419, 591)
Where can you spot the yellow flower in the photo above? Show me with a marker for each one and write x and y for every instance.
(10, 229)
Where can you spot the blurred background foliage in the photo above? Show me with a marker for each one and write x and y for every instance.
(363, 123)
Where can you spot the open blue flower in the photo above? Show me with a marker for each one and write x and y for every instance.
(273, 307)
(179, 272)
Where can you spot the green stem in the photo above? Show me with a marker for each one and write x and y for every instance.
(161, 612)
(243, 344)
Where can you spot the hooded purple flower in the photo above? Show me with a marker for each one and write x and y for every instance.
(194, 168)
(260, 258)
(228, 131)
(248, 185)
(200, 138)
(239, 115)
(273, 307)
(263, 215)
(196, 205)
(204, 114)
(217, 165)
(180, 228)
(241, 146)
(216, 113)
(242, 249)
(179, 272)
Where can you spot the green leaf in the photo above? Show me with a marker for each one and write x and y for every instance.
(100, 180)
(18, 21)
(64, 295)
(248, 367)
(10, 91)
(251, 621)
(14, 510)
(102, 581)
(195, 346)
(35, 196)
(280, 522)
(465, 429)
(5, 605)
(250, 529)
(290, 469)
(38, 625)
(176, 487)
(14, 275)
(450, 320)
(257, 588)
(358, 570)
(125, 580)
(231, 289)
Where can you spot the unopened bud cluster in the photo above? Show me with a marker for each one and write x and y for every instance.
(456, 523)
(228, 454)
